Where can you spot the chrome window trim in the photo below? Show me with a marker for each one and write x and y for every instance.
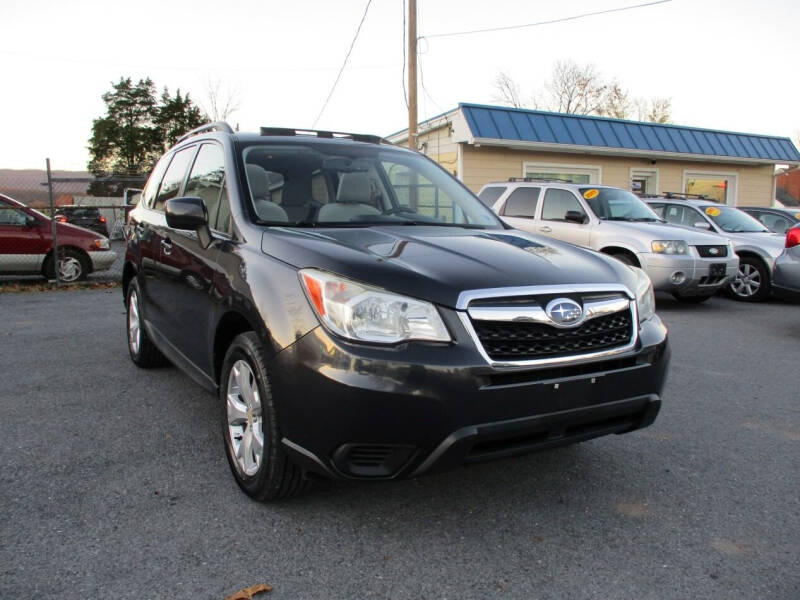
(468, 296)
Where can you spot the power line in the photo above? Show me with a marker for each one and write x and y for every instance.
(353, 43)
(561, 20)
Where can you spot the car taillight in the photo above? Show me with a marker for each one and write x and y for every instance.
(101, 218)
(793, 237)
(61, 219)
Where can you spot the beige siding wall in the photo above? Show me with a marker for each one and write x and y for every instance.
(439, 145)
(484, 164)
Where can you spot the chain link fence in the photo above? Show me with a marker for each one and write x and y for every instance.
(55, 227)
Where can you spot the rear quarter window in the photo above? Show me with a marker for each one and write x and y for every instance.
(490, 195)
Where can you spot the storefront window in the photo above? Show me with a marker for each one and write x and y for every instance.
(715, 189)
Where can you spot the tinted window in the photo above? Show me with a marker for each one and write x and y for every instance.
(207, 181)
(557, 203)
(774, 222)
(151, 188)
(173, 178)
(522, 202)
(490, 195)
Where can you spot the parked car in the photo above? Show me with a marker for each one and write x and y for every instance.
(756, 246)
(779, 220)
(88, 217)
(26, 245)
(691, 267)
(786, 274)
(362, 315)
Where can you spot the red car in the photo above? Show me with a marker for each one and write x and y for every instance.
(26, 245)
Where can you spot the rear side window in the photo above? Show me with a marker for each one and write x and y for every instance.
(490, 195)
(207, 181)
(557, 203)
(173, 178)
(522, 202)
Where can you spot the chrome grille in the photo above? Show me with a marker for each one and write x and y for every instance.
(712, 251)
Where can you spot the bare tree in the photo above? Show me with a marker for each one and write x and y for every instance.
(576, 89)
(507, 91)
(655, 110)
(617, 103)
(220, 102)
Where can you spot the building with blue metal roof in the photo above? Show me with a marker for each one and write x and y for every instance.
(481, 143)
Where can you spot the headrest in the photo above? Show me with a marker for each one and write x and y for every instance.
(258, 180)
(353, 187)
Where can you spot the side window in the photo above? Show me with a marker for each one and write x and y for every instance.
(151, 187)
(557, 203)
(207, 181)
(774, 222)
(12, 216)
(490, 195)
(674, 214)
(658, 209)
(173, 178)
(522, 202)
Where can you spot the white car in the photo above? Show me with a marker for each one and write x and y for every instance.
(691, 265)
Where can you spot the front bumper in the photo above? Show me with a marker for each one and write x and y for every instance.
(102, 259)
(358, 411)
(695, 273)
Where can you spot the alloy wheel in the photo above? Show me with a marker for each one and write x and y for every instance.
(245, 430)
(134, 324)
(747, 281)
(69, 268)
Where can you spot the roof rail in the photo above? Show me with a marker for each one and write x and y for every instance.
(356, 137)
(541, 179)
(685, 196)
(216, 126)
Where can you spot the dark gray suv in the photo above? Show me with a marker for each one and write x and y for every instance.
(362, 315)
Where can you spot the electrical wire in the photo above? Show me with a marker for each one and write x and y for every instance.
(344, 64)
(561, 20)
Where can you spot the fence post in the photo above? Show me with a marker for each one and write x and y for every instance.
(53, 228)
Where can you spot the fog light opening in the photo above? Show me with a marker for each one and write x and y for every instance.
(678, 277)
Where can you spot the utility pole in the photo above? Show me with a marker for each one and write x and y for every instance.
(412, 74)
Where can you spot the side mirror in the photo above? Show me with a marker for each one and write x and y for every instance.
(31, 221)
(575, 216)
(132, 196)
(703, 225)
(189, 213)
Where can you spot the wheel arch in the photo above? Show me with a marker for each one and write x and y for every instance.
(611, 250)
(77, 249)
(228, 327)
(128, 273)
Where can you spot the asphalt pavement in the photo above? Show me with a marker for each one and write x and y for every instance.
(113, 483)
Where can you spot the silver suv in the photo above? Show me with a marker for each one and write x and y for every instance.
(691, 265)
(756, 246)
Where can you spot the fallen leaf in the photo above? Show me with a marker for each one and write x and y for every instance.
(248, 592)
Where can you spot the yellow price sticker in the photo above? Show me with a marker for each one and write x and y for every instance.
(713, 211)
(591, 194)
(797, 215)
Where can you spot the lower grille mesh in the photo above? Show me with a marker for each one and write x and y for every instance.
(503, 340)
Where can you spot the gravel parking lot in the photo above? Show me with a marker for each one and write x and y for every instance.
(113, 483)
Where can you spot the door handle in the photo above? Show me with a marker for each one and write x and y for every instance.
(166, 246)
(546, 229)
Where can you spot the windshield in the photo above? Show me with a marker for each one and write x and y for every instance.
(321, 185)
(733, 220)
(612, 204)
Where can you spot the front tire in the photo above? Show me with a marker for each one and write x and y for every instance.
(72, 266)
(752, 281)
(143, 352)
(250, 425)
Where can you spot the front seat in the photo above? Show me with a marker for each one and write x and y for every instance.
(266, 209)
(352, 199)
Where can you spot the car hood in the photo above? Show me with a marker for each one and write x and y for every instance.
(666, 231)
(438, 263)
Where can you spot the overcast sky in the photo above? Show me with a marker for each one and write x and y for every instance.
(727, 64)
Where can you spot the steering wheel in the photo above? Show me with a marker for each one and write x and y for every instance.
(398, 209)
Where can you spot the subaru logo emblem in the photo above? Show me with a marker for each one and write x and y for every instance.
(564, 312)
(713, 251)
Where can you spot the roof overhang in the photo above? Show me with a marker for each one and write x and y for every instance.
(632, 152)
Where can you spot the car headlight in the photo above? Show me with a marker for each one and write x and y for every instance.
(367, 314)
(99, 244)
(645, 299)
(670, 247)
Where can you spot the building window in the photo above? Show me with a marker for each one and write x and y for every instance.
(644, 182)
(572, 173)
(720, 187)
